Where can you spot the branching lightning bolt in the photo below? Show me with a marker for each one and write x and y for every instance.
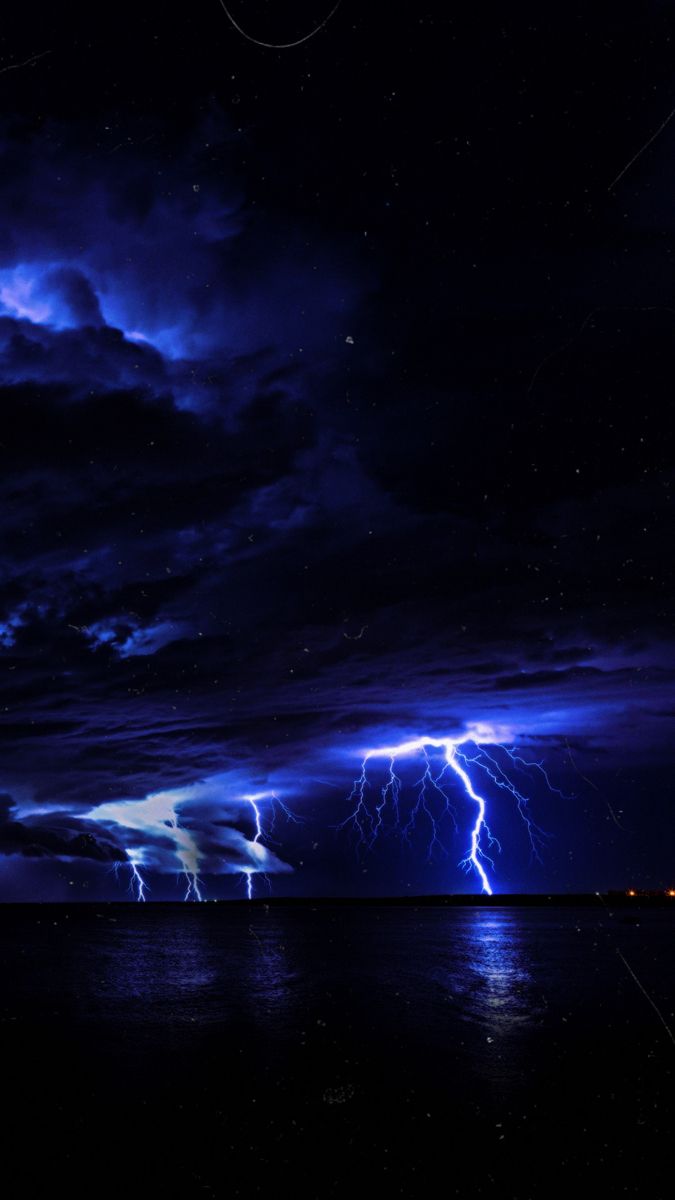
(137, 884)
(459, 756)
(254, 800)
(137, 878)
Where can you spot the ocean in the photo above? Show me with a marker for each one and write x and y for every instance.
(230, 1050)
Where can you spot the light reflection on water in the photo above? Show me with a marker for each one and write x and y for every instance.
(495, 976)
(436, 1034)
(481, 994)
(469, 987)
(190, 972)
(271, 975)
(260, 967)
(494, 985)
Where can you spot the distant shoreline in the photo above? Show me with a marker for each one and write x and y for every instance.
(506, 900)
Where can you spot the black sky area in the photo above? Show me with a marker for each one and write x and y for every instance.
(337, 391)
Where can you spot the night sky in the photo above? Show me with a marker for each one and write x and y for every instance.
(337, 390)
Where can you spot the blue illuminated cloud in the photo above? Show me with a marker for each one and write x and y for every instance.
(185, 831)
(129, 639)
(188, 269)
(60, 296)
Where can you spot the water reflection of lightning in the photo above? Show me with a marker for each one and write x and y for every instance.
(432, 799)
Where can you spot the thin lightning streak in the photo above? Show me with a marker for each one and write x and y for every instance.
(499, 777)
(277, 805)
(248, 873)
(136, 875)
(526, 765)
(279, 45)
(135, 878)
(252, 800)
(191, 877)
(422, 805)
(193, 888)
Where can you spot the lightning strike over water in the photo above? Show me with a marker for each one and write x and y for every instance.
(458, 756)
(255, 845)
(137, 878)
(154, 816)
(137, 884)
(185, 848)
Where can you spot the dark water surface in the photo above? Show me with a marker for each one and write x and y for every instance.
(225, 1050)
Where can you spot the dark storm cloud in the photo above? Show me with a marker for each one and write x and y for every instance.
(51, 837)
(77, 294)
(245, 533)
(165, 250)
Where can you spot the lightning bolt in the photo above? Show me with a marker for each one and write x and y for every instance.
(136, 879)
(459, 756)
(185, 850)
(154, 815)
(256, 845)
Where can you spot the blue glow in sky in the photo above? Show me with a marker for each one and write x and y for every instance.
(262, 515)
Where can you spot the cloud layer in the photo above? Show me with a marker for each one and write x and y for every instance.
(242, 538)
